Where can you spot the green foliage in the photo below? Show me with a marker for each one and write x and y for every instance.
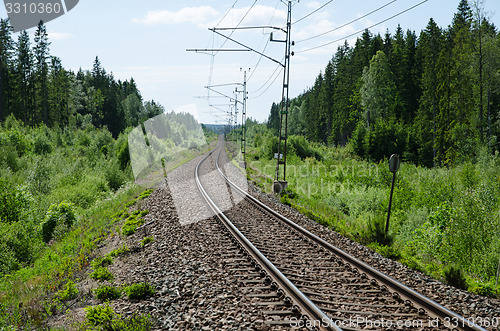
(61, 215)
(133, 222)
(386, 251)
(106, 293)
(101, 317)
(101, 274)
(375, 232)
(139, 291)
(102, 262)
(439, 217)
(119, 251)
(146, 241)
(69, 292)
(13, 201)
(114, 176)
(455, 277)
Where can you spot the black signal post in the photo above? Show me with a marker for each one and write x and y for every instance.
(394, 164)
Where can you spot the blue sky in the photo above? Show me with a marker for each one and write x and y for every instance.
(148, 39)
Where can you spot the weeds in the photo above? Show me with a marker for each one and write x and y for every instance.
(139, 291)
(101, 274)
(106, 293)
(146, 241)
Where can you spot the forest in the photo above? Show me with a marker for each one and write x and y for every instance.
(433, 98)
(36, 89)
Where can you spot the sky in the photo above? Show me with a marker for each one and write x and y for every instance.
(148, 40)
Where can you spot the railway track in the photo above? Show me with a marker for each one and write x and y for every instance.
(304, 281)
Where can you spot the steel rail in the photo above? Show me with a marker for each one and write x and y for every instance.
(291, 292)
(420, 300)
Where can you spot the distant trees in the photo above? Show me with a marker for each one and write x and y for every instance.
(432, 98)
(36, 88)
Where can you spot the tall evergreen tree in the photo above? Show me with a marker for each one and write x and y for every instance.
(378, 90)
(6, 57)
(24, 79)
(429, 48)
(41, 55)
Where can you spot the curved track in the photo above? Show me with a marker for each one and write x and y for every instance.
(322, 286)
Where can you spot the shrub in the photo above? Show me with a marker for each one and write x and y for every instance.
(13, 202)
(454, 276)
(105, 293)
(100, 316)
(69, 292)
(139, 291)
(119, 251)
(376, 232)
(102, 262)
(41, 145)
(101, 274)
(114, 176)
(57, 215)
(146, 241)
(39, 178)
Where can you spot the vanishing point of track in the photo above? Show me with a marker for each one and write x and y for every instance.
(306, 282)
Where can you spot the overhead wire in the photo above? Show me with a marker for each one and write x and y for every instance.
(348, 23)
(271, 84)
(213, 40)
(265, 47)
(311, 13)
(361, 31)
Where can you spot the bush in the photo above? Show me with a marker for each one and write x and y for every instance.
(114, 176)
(375, 232)
(13, 202)
(69, 292)
(139, 291)
(119, 251)
(454, 276)
(146, 241)
(102, 262)
(57, 215)
(100, 316)
(41, 145)
(101, 274)
(105, 293)
(104, 318)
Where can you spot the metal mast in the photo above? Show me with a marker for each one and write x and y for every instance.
(280, 185)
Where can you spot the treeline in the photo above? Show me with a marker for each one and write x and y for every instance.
(35, 88)
(432, 98)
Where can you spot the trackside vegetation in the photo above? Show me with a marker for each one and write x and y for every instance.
(444, 221)
(432, 98)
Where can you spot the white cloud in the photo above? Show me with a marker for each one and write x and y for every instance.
(206, 16)
(60, 35)
(258, 15)
(200, 16)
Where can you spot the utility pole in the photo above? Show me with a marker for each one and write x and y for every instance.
(280, 184)
(244, 115)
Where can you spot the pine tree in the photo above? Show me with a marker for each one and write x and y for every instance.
(429, 48)
(6, 63)
(378, 90)
(24, 79)
(41, 55)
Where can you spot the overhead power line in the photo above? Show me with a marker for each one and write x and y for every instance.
(314, 11)
(348, 23)
(361, 31)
